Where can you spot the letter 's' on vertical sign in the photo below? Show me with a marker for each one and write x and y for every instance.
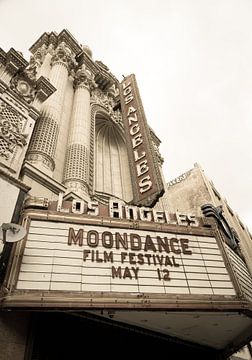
(146, 178)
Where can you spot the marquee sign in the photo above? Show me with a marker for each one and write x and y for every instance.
(67, 256)
(147, 182)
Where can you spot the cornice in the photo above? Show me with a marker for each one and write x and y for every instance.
(55, 39)
(2, 56)
(43, 179)
(67, 37)
(44, 39)
(44, 88)
(13, 61)
(103, 77)
(52, 39)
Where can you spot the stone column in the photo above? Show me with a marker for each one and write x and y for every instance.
(44, 140)
(76, 172)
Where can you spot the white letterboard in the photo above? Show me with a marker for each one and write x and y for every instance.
(49, 262)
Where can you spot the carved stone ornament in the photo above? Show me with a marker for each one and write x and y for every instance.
(39, 55)
(63, 55)
(106, 101)
(23, 88)
(84, 78)
(36, 61)
(10, 131)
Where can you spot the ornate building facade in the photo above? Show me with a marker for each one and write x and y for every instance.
(111, 248)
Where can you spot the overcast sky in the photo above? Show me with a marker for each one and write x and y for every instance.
(193, 64)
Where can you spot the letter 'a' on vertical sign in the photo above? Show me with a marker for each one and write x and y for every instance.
(145, 173)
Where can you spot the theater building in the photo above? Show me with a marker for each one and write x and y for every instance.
(113, 254)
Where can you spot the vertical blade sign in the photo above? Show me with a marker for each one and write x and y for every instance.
(145, 174)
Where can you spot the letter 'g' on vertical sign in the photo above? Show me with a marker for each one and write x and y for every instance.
(146, 178)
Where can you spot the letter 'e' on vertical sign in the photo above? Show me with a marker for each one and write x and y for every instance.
(145, 173)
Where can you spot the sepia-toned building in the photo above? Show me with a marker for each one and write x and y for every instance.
(112, 253)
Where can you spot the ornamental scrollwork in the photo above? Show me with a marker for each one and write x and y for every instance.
(11, 134)
(107, 102)
(23, 88)
(36, 61)
(63, 55)
(84, 78)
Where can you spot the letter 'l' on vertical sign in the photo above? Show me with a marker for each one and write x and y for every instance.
(145, 173)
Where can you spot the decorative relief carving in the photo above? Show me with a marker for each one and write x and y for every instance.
(36, 61)
(108, 102)
(63, 55)
(11, 136)
(39, 56)
(83, 77)
(23, 88)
